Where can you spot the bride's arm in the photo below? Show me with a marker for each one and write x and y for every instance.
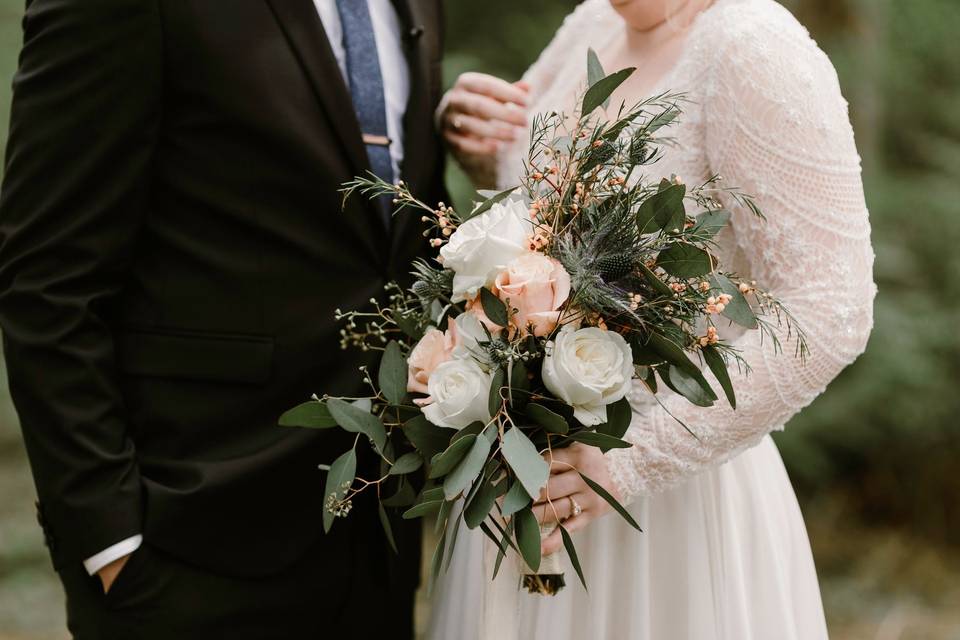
(777, 127)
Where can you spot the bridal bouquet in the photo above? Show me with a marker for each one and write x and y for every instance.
(525, 332)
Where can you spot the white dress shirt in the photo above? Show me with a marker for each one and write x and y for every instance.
(396, 89)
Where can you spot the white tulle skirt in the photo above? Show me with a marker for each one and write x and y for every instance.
(724, 556)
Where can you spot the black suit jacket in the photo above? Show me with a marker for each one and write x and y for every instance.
(172, 249)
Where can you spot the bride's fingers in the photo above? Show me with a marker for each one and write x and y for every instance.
(560, 485)
(482, 106)
(494, 87)
(554, 511)
(480, 128)
(553, 542)
(469, 145)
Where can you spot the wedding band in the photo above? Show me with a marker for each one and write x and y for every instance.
(574, 507)
(457, 122)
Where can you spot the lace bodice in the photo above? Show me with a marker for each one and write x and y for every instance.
(766, 113)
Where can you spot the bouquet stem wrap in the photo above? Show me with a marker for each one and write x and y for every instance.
(549, 579)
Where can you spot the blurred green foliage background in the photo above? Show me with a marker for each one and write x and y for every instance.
(874, 460)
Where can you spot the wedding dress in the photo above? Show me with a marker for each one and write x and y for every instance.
(724, 553)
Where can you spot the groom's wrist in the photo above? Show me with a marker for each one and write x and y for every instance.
(114, 552)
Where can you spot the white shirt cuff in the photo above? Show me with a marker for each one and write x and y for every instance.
(111, 553)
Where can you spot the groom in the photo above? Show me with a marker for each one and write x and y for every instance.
(172, 250)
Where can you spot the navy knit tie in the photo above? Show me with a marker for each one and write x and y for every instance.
(366, 87)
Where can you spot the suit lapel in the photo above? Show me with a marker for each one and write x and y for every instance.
(302, 26)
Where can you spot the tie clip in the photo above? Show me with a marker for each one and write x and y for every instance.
(380, 141)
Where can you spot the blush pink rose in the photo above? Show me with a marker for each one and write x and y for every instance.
(434, 348)
(536, 286)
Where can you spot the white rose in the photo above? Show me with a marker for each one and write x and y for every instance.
(588, 369)
(482, 247)
(460, 390)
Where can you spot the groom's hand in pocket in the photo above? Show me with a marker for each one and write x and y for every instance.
(567, 498)
(108, 574)
(481, 112)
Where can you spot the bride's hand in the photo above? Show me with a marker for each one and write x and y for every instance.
(566, 489)
(480, 113)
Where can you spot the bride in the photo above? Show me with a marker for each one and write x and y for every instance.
(724, 553)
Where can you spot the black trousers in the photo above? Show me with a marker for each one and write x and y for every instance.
(157, 597)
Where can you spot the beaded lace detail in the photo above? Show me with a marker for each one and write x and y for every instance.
(765, 112)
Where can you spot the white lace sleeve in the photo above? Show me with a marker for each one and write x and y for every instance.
(777, 126)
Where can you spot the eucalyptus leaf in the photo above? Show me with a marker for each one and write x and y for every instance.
(672, 353)
(572, 554)
(619, 415)
(710, 223)
(619, 508)
(738, 309)
(663, 210)
(651, 278)
(600, 91)
(595, 72)
(339, 478)
(422, 509)
(550, 421)
(393, 374)
(387, 529)
(528, 537)
(312, 415)
(468, 468)
(444, 463)
(429, 439)
(600, 440)
(685, 260)
(481, 504)
(493, 307)
(437, 561)
(528, 465)
(357, 420)
(687, 386)
(407, 463)
(404, 497)
(515, 499)
(719, 368)
(496, 400)
(487, 203)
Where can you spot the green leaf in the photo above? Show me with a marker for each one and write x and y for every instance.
(528, 465)
(474, 427)
(437, 560)
(600, 91)
(311, 415)
(445, 462)
(404, 497)
(406, 463)
(357, 420)
(619, 415)
(518, 382)
(528, 537)
(672, 353)
(496, 400)
(339, 478)
(503, 547)
(600, 491)
(422, 509)
(429, 439)
(409, 323)
(659, 285)
(688, 386)
(710, 223)
(738, 310)
(481, 505)
(719, 367)
(428, 495)
(662, 119)
(487, 203)
(663, 210)
(572, 553)
(493, 307)
(600, 440)
(393, 373)
(516, 499)
(547, 419)
(685, 260)
(469, 468)
(595, 72)
(387, 529)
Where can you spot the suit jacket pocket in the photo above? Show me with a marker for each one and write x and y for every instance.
(190, 355)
